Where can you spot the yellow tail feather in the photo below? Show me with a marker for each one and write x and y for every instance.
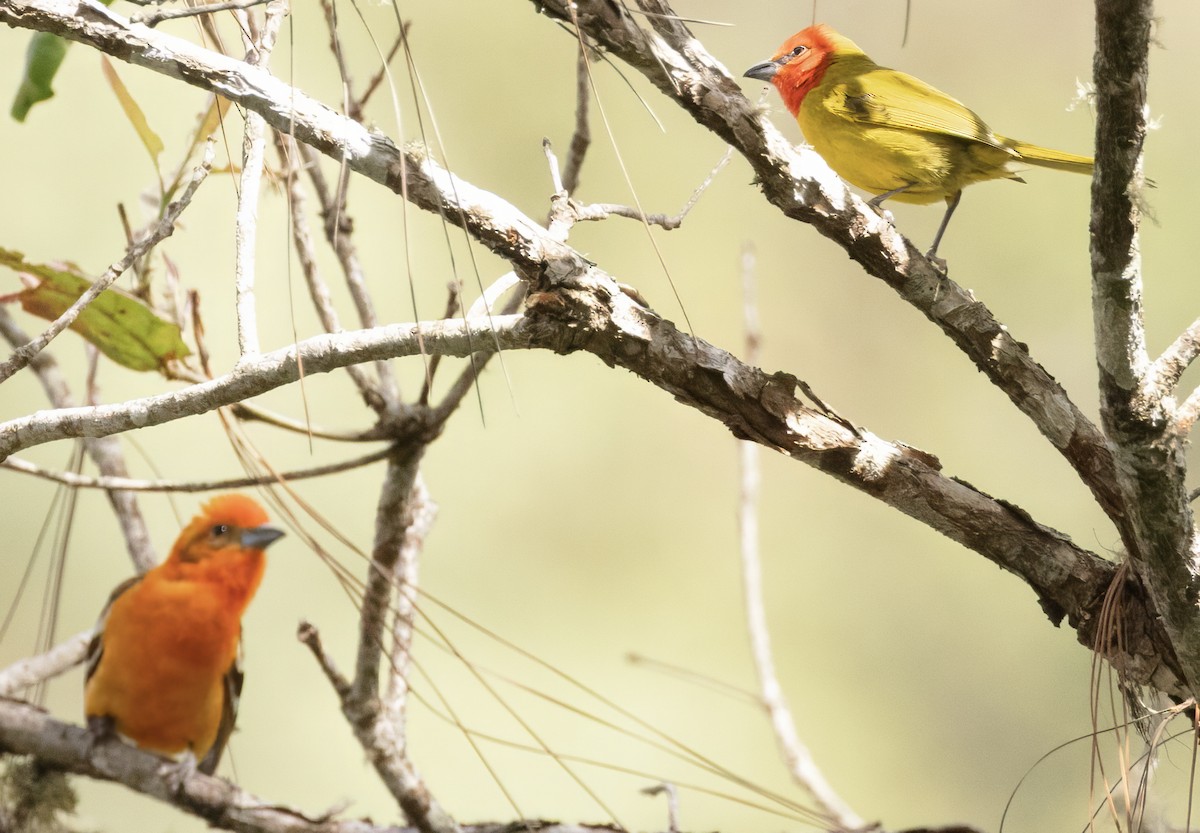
(1049, 158)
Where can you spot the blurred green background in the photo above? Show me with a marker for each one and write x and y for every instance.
(587, 515)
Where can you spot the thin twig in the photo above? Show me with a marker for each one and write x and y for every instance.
(478, 361)
(130, 484)
(246, 217)
(329, 11)
(164, 228)
(672, 803)
(33, 670)
(453, 298)
(1176, 359)
(424, 512)
(306, 254)
(356, 107)
(253, 413)
(338, 235)
(152, 19)
(799, 759)
(603, 210)
(393, 516)
(581, 139)
(1188, 412)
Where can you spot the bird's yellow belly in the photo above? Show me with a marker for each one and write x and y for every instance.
(929, 166)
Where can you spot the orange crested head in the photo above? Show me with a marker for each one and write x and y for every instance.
(235, 509)
(228, 527)
(801, 62)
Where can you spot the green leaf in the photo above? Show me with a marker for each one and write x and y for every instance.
(121, 326)
(42, 60)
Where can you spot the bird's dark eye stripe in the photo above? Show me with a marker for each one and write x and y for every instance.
(219, 529)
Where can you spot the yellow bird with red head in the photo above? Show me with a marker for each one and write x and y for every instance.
(890, 133)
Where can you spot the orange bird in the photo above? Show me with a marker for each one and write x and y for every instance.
(163, 669)
(890, 133)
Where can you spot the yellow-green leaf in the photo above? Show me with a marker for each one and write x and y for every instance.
(150, 140)
(121, 326)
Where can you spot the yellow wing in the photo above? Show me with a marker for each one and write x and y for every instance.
(883, 97)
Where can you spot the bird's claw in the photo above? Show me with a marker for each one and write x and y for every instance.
(177, 773)
(101, 729)
(938, 262)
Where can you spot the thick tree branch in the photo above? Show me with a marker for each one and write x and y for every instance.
(1151, 461)
(320, 354)
(27, 730)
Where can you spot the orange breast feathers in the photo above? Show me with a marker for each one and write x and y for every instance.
(163, 667)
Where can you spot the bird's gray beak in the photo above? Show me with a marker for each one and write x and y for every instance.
(763, 72)
(260, 537)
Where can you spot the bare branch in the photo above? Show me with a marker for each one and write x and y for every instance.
(376, 734)
(306, 253)
(581, 139)
(1189, 412)
(154, 18)
(246, 218)
(27, 730)
(1151, 461)
(796, 181)
(320, 354)
(33, 670)
(129, 484)
(338, 234)
(393, 516)
(594, 315)
(424, 511)
(799, 759)
(1170, 366)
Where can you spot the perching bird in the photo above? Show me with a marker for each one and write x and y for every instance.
(890, 133)
(163, 668)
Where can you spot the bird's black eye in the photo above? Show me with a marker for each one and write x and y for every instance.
(219, 530)
(799, 50)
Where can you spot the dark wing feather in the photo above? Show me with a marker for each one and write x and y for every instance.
(890, 98)
(95, 648)
(233, 680)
